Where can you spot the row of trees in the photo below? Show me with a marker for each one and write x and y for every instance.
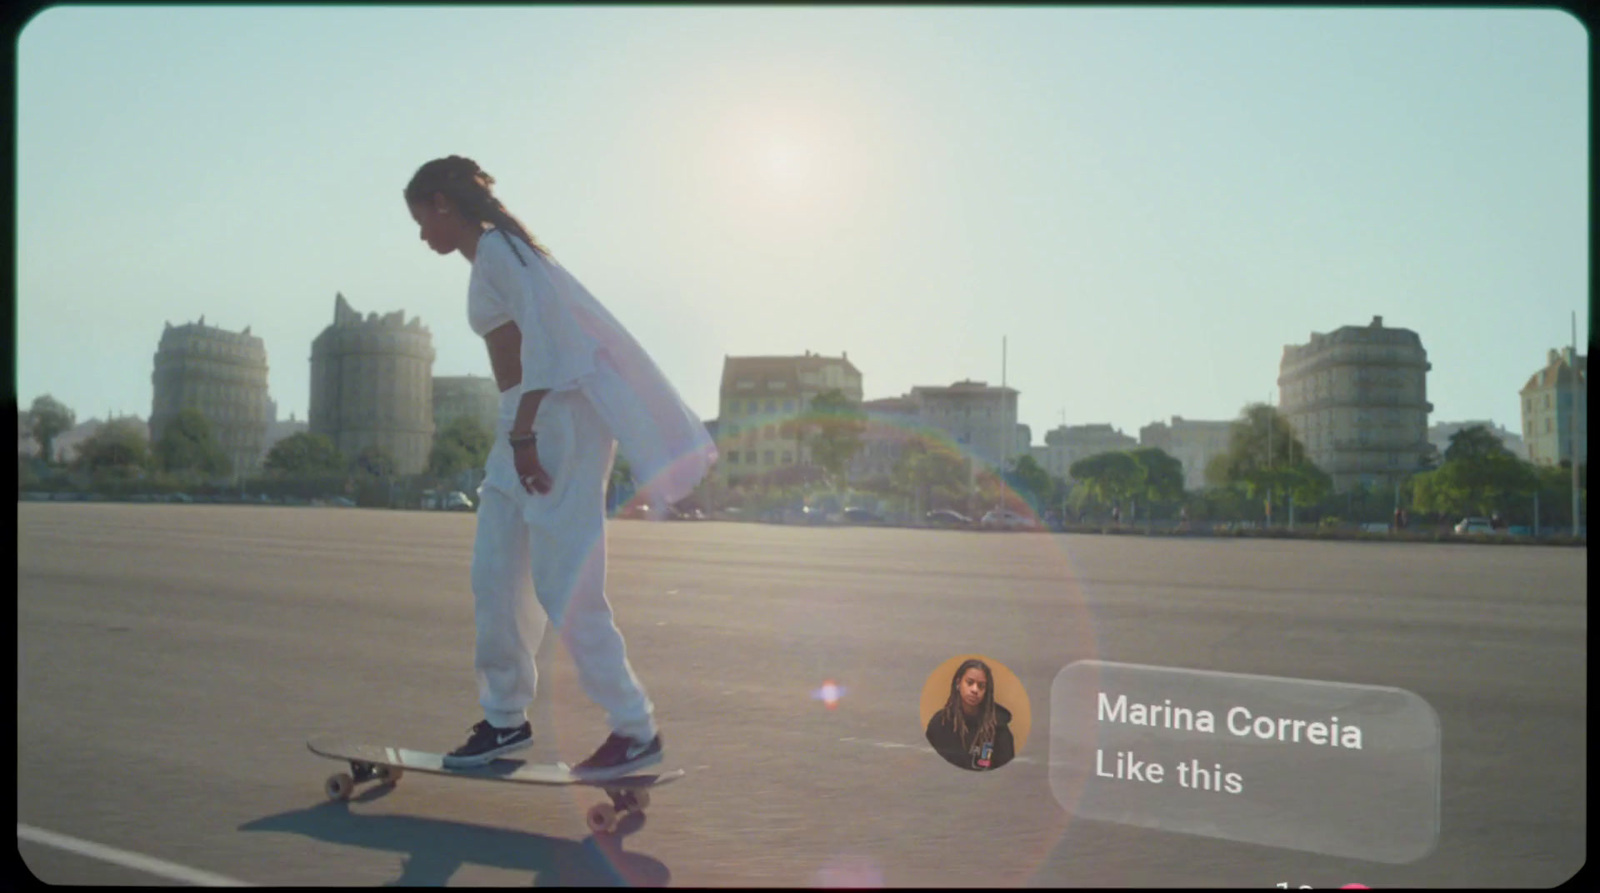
(188, 444)
(119, 456)
(932, 473)
(1265, 466)
(1264, 474)
(1479, 476)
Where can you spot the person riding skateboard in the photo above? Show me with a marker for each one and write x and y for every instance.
(574, 388)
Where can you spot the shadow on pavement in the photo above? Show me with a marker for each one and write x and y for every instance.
(434, 849)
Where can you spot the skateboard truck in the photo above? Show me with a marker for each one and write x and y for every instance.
(604, 818)
(341, 785)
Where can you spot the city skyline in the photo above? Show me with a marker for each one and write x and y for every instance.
(1149, 204)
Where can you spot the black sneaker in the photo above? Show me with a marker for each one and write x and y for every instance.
(486, 743)
(620, 756)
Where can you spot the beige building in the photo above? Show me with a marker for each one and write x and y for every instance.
(1553, 400)
(465, 395)
(761, 400)
(372, 384)
(891, 424)
(979, 420)
(1066, 444)
(223, 375)
(1439, 434)
(1358, 399)
(1191, 442)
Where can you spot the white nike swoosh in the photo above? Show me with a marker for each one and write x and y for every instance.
(636, 752)
(501, 739)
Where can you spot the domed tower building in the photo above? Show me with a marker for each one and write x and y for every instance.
(372, 384)
(224, 375)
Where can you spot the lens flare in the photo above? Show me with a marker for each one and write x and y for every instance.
(829, 694)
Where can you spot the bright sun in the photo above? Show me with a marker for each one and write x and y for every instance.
(790, 166)
(785, 163)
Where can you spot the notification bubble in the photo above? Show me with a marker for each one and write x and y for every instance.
(1325, 767)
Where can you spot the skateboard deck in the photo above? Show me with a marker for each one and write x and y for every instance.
(386, 765)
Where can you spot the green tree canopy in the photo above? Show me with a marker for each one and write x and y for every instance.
(374, 461)
(832, 427)
(305, 453)
(1430, 459)
(1110, 477)
(48, 419)
(1555, 492)
(1031, 481)
(121, 445)
(1304, 482)
(1163, 475)
(461, 445)
(931, 472)
(1474, 444)
(188, 443)
(1477, 482)
(1264, 456)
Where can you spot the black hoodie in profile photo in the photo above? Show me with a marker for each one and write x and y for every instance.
(978, 756)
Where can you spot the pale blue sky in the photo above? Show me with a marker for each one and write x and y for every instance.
(1149, 203)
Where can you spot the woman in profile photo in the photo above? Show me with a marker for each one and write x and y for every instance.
(971, 731)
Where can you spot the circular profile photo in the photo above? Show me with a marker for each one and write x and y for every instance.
(975, 713)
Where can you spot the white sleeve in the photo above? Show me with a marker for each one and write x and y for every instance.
(556, 352)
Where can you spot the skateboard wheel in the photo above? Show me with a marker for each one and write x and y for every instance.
(390, 775)
(641, 799)
(602, 817)
(339, 786)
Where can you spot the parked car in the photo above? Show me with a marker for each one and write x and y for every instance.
(1006, 520)
(1475, 525)
(343, 502)
(637, 511)
(458, 502)
(862, 516)
(947, 518)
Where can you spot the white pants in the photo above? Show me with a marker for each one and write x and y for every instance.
(560, 537)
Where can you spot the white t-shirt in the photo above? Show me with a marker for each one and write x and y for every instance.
(570, 341)
(556, 352)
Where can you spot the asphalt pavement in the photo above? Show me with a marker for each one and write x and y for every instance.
(174, 659)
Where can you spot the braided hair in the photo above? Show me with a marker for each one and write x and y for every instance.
(987, 721)
(467, 187)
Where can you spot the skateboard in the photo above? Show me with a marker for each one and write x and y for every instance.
(386, 765)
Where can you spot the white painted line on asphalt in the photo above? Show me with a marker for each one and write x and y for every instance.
(890, 745)
(147, 864)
